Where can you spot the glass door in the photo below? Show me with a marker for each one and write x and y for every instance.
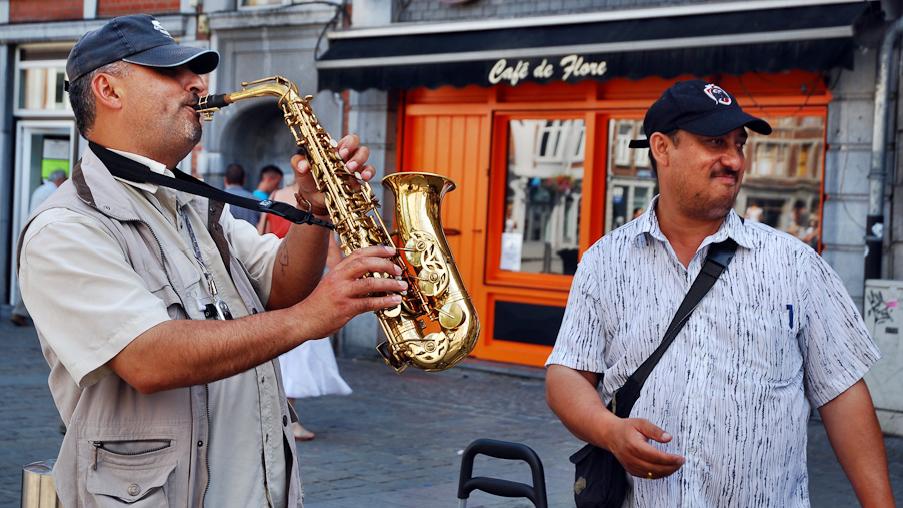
(539, 220)
(43, 148)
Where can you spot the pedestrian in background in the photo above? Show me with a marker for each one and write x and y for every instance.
(722, 419)
(19, 315)
(270, 180)
(234, 180)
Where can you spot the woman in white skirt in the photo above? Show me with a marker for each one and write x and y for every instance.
(310, 370)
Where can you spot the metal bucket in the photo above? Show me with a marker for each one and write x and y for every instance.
(38, 490)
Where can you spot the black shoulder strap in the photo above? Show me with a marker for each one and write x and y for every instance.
(719, 256)
(133, 171)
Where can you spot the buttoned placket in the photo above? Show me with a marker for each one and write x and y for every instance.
(267, 399)
(700, 356)
(696, 388)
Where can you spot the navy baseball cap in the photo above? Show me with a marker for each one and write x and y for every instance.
(697, 107)
(138, 39)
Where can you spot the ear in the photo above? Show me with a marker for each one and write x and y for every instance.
(107, 89)
(660, 145)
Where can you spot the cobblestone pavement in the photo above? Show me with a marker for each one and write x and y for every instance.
(395, 442)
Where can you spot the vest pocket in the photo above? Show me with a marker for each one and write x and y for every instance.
(158, 284)
(130, 473)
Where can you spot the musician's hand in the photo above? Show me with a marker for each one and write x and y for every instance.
(350, 150)
(344, 292)
(629, 442)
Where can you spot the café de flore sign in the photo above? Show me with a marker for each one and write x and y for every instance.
(568, 68)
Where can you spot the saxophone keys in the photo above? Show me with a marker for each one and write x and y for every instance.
(429, 282)
(451, 315)
(394, 312)
(413, 253)
(432, 348)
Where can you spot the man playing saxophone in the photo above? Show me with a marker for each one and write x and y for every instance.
(158, 313)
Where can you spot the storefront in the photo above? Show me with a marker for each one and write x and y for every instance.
(531, 117)
(37, 132)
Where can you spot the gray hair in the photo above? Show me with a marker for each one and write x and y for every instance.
(81, 97)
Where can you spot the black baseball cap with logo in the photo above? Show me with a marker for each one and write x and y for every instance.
(138, 39)
(697, 107)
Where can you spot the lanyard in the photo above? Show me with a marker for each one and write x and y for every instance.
(133, 171)
(219, 308)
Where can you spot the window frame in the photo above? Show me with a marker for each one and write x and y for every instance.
(18, 86)
(498, 196)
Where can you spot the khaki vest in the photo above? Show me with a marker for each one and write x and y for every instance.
(162, 437)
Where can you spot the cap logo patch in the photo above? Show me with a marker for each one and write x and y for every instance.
(717, 94)
(158, 27)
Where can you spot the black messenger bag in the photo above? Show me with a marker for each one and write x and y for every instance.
(600, 481)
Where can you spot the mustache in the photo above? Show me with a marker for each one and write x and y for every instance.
(725, 172)
(193, 101)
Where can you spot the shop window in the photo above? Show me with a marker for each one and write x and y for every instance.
(631, 184)
(783, 182)
(40, 78)
(543, 195)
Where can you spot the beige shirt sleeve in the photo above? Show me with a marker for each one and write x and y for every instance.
(87, 300)
(257, 252)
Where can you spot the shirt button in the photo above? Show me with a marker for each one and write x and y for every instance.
(134, 489)
(200, 444)
(284, 421)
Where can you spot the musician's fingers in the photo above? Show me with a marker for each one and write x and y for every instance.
(372, 285)
(358, 161)
(348, 145)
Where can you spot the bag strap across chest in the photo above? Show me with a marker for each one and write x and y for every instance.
(717, 259)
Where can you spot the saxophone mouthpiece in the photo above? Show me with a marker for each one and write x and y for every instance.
(213, 102)
(210, 104)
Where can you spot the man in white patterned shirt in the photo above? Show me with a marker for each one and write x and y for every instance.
(722, 419)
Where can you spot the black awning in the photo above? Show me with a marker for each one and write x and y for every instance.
(710, 41)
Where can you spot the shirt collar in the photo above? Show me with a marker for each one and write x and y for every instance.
(156, 167)
(732, 227)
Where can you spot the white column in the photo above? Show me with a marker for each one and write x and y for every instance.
(89, 9)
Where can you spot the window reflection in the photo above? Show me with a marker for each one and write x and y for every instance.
(631, 184)
(782, 185)
(42, 88)
(543, 192)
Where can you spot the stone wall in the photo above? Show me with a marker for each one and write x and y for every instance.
(847, 161)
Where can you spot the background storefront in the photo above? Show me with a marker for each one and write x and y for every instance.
(544, 172)
(532, 115)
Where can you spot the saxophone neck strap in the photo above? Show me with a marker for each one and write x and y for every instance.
(716, 261)
(133, 171)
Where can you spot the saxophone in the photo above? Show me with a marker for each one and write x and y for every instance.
(435, 326)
